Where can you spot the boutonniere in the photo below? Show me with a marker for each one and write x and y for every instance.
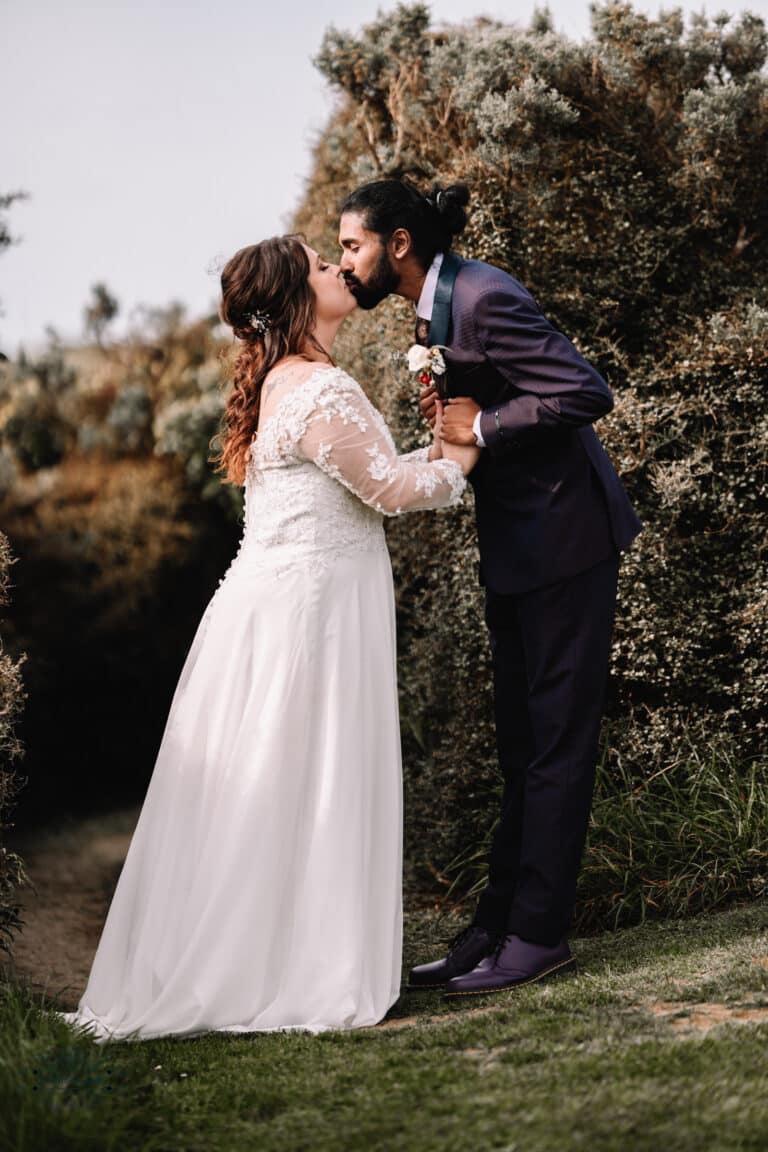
(428, 362)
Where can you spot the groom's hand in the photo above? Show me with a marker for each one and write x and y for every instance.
(458, 418)
(427, 403)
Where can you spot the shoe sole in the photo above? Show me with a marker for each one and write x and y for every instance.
(425, 987)
(564, 968)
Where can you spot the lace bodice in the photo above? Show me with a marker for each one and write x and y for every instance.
(324, 471)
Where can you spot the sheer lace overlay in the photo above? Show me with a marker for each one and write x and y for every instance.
(324, 470)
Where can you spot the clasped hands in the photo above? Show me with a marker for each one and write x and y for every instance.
(451, 421)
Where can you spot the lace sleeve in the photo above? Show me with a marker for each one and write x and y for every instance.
(347, 437)
(417, 454)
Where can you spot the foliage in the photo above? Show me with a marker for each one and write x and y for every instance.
(11, 699)
(6, 239)
(108, 499)
(12, 873)
(689, 837)
(51, 373)
(130, 419)
(99, 312)
(36, 433)
(623, 181)
(5, 203)
(37, 429)
(186, 429)
(646, 142)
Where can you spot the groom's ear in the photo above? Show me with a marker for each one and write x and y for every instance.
(400, 243)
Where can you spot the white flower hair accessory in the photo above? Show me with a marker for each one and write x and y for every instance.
(261, 322)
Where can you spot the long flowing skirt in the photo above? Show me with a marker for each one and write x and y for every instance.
(262, 886)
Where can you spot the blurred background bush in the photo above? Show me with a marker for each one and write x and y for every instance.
(121, 533)
(623, 181)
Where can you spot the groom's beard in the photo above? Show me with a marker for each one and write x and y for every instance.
(382, 281)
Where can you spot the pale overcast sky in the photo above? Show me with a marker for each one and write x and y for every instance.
(157, 136)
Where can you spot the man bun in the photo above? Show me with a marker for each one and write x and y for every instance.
(431, 218)
(449, 203)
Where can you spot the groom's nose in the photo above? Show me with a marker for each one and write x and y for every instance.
(346, 263)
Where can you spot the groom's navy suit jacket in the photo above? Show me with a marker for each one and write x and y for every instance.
(549, 502)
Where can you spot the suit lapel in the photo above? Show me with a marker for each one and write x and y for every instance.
(441, 310)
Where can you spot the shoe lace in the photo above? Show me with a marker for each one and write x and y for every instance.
(459, 938)
(500, 945)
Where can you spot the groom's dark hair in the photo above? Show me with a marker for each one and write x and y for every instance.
(432, 219)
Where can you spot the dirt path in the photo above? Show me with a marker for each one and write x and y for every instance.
(74, 872)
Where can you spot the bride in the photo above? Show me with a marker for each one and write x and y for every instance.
(262, 886)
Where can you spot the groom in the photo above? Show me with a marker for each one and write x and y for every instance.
(552, 517)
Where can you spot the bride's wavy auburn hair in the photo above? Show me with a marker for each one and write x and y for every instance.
(271, 277)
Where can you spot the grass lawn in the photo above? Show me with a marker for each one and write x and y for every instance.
(659, 1044)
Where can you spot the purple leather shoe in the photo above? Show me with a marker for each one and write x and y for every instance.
(464, 952)
(514, 964)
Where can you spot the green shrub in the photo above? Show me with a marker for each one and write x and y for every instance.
(36, 427)
(184, 429)
(623, 181)
(36, 433)
(686, 838)
(130, 419)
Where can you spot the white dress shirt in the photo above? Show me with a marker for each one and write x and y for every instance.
(424, 307)
(429, 287)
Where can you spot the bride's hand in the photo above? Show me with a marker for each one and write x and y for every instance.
(465, 455)
(436, 447)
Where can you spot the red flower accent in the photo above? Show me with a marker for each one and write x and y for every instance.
(425, 378)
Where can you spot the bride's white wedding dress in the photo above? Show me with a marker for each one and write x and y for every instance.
(262, 886)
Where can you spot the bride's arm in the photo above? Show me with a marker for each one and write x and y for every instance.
(431, 451)
(416, 455)
(347, 438)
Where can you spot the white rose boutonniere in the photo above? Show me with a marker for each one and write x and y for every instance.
(427, 362)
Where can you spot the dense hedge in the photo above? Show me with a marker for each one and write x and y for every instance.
(623, 180)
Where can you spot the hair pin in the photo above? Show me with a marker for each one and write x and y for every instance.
(261, 322)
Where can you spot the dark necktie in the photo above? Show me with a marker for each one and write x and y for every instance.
(422, 331)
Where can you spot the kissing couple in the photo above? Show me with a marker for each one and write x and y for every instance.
(262, 886)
